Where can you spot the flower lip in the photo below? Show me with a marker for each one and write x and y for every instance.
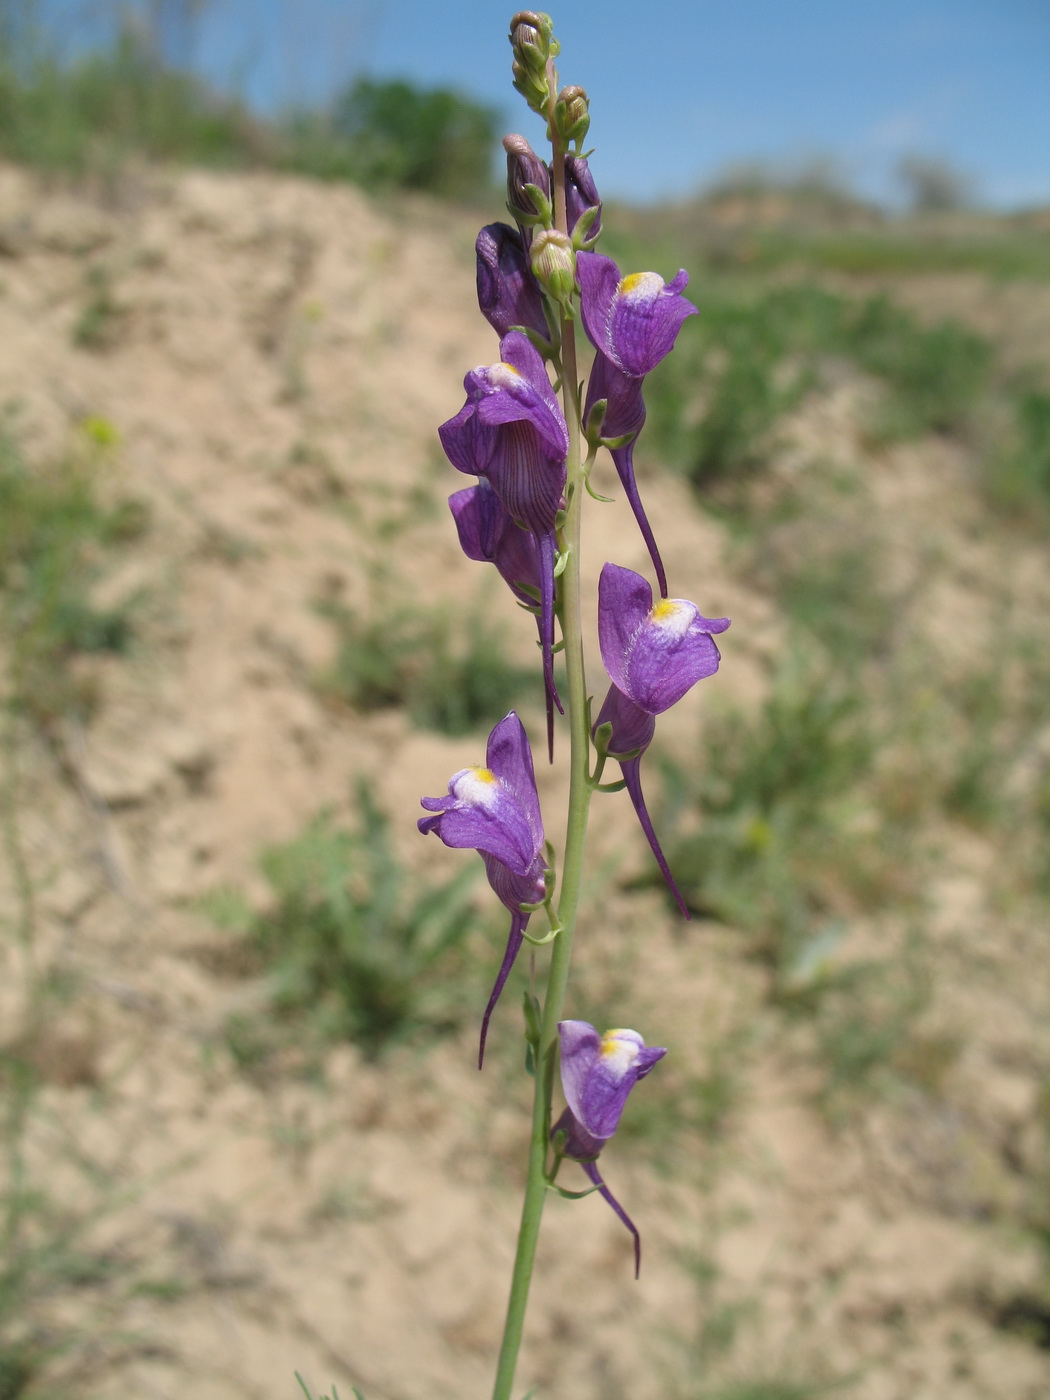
(653, 654)
(633, 320)
(599, 1071)
(493, 808)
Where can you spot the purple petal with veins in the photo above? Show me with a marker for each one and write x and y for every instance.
(632, 320)
(508, 293)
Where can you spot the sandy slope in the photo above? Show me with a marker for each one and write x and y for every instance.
(275, 366)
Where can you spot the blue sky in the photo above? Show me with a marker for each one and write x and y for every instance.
(681, 89)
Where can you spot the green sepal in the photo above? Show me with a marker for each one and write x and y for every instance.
(546, 348)
(560, 563)
(584, 224)
(544, 210)
(596, 495)
(530, 1005)
(613, 444)
(530, 1060)
(570, 1195)
(595, 419)
(542, 942)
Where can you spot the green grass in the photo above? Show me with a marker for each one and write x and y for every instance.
(55, 532)
(354, 945)
(754, 351)
(449, 672)
(775, 816)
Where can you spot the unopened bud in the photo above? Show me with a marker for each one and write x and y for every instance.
(572, 117)
(528, 186)
(532, 40)
(554, 264)
(582, 200)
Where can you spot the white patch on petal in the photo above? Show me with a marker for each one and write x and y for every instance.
(619, 1050)
(641, 286)
(477, 787)
(673, 616)
(504, 376)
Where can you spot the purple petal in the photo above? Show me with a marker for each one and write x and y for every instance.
(632, 727)
(592, 1171)
(487, 533)
(481, 519)
(599, 278)
(598, 1073)
(518, 350)
(646, 318)
(509, 756)
(672, 650)
(579, 1145)
(625, 413)
(480, 813)
(631, 770)
(518, 924)
(467, 444)
(624, 601)
(581, 194)
(508, 293)
(633, 320)
(512, 430)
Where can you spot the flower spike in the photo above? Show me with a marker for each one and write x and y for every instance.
(495, 810)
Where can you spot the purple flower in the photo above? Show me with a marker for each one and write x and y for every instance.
(488, 534)
(653, 655)
(508, 293)
(511, 431)
(495, 810)
(597, 1074)
(632, 322)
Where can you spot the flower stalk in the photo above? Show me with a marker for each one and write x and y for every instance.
(536, 283)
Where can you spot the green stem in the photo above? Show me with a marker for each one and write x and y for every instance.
(575, 840)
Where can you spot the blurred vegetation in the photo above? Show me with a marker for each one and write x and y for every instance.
(451, 674)
(89, 115)
(395, 135)
(55, 530)
(356, 947)
(755, 350)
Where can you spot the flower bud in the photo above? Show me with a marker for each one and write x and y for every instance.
(572, 117)
(524, 169)
(581, 195)
(532, 40)
(554, 264)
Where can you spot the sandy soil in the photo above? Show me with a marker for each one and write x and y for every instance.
(277, 359)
